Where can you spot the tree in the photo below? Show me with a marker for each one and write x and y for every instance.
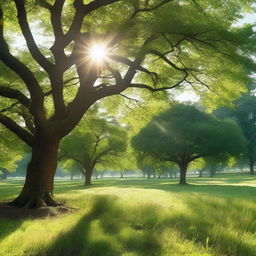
(72, 167)
(154, 45)
(94, 142)
(184, 134)
(244, 114)
(214, 164)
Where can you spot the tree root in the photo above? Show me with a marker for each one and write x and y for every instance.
(32, 201)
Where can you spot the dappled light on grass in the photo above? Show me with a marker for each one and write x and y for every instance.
(139, 217)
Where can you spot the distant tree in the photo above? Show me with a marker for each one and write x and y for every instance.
(244, 114)
(214, 164)
(71, 167)
(146, 164)
(94, 142)
(184, 134)
(124, 163)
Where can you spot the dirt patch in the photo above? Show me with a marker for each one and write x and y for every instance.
(14, 213)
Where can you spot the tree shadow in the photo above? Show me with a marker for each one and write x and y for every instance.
(11, 218)
(104, 231)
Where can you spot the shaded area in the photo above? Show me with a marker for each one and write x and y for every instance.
(105, 230)
(110, 228)
(13, 213)
(11, 218)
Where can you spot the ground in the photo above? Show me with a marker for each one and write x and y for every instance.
(135, 217)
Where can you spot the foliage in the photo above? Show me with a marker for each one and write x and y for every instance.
(95, 142)
(172, 49)
(183, 134)
(11, 150)
(243, 113)
(156, 45)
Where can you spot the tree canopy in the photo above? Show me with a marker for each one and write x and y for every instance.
(243, 112)
(94, 142)
(183, 134)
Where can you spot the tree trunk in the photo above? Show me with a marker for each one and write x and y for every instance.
(212, 171)
(38, 188)
(201, 173)
(88, 177)
(183, 171)
(252, 168)
(122, 175)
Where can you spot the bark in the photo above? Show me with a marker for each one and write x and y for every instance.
(88, 177)
(252, 168)
(38, 188)
(183, 171)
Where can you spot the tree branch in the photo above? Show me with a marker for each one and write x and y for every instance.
(37, 107)
(139, 10)
(23, 134)
(37, 55)
(14, 94)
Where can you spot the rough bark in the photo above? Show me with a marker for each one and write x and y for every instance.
(183, 171)
(88, 177)
(38, 188)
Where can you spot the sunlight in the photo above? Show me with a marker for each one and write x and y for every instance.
(98, 52)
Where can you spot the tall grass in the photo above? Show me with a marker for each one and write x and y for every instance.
(137, 217)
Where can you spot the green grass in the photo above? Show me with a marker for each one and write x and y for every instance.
(133, 217)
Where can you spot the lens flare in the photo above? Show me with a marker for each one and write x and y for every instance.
(98, 52)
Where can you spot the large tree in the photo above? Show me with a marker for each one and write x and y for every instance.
(184, 134)
(100, 48)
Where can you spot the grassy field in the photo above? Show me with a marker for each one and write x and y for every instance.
(136, 217)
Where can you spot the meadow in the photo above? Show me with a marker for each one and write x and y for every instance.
(135, 217)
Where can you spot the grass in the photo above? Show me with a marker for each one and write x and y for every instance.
(139, 217)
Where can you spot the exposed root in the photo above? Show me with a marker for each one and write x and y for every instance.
(32, 201)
